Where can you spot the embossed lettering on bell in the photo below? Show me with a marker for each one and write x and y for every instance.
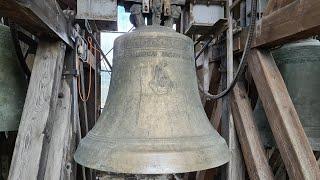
(153, 121)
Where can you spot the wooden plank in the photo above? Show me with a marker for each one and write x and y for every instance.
(44, 19)
(216, 115)
(32, 143)
(212, 87)
(295, 21)
(60, 140)
(83, 112)
(234, 169)
(251, 145)
(283, 119)
(83, 109)
(71, 67)
(274, 5)
(210, 106)
(91, 103)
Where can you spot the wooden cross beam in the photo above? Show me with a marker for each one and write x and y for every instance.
(296, 20)
(44, 19)
(274, 5)
(284, 121)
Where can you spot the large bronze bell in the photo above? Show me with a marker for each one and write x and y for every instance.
(13, 83)
(299, 64)
(153, 121)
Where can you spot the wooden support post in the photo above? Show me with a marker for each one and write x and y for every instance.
(83, 110)
(210, 106)
(206, 73)
(58, 165)
(235, 168)
(71, 68)
(251, 145)
(84, 113)
(283, 119)
(32, 144)
(98, 79)
(216, 115)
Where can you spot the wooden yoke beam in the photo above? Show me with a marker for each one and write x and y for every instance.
(296, 20)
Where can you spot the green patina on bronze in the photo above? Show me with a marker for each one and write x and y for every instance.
(299, 64)
(153, 121)
(13, 84)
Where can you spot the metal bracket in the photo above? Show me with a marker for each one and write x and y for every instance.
(81, 46)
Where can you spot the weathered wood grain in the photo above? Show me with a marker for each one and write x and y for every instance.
(235, 168)
(216, 115)
(32, 143)
(298, 20)
(284, 121)
(274, 5)
(44, 19)
(60, 139)
(249, 138)
(210, 106)
(70, 65)
(83, 113)
(83, 108)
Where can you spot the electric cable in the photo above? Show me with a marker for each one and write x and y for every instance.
(244, 57)
(97, 44)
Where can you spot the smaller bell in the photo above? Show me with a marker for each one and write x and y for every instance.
(13, 84)
(299, 65)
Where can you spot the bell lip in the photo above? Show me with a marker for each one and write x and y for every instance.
(214, 157)
(174, 171)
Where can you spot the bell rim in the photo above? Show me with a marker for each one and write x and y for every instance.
(213, 159)
(202, 155)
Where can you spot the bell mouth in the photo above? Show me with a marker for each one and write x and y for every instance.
(152, 157)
